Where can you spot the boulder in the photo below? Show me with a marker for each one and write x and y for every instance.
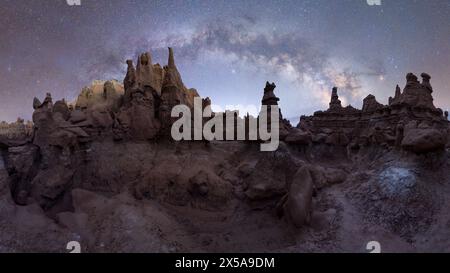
(324, 177)
(297, 136)
(298, 201)
(269, 176)
(424, 140)
(77, 116)
(49, 186)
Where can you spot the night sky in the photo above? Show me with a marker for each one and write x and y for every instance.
(227, 50)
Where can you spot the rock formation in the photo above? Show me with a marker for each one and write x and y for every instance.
(380, 124)
(100, 95)
(106, 164)
(335, 103)
(16, 130)
(370, 104)
(297, 204)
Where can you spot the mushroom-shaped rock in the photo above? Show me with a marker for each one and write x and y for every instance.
(269, 97)
(416, 94)
(335, 103)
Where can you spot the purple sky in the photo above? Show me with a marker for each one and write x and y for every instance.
(227, 50)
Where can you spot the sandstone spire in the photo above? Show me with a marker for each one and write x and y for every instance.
(144, 71)
(335, 102)
(172, 77)
(398, 92)
(171, 62)
(130, 78)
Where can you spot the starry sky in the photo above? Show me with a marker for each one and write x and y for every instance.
(226, 49)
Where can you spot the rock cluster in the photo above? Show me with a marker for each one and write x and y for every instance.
(16, 130)
(410, 121)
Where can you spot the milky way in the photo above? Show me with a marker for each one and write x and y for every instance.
(227, 50)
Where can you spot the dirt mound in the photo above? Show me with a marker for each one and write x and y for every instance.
(397, 198)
